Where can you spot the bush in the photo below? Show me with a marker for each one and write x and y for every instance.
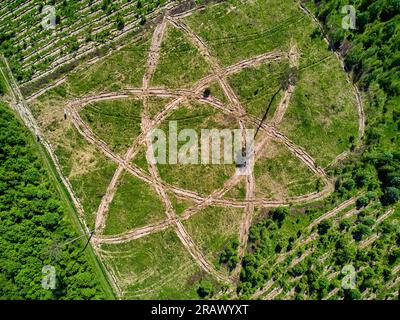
(280, 214)
(390, 196)
(362, 202)
(324, 227)
(361, 231)
(205, 289)
(352, 294)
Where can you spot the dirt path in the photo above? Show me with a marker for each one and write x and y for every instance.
(154, 51)
(250, 181)
(383, 217)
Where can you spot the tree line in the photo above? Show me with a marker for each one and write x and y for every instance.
(34, 229)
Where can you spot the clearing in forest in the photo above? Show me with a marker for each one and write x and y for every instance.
(161, 229)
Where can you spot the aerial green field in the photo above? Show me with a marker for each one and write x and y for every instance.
(316, 113)
(280, 175)
(155, 267)
(143, 208)
(196, 116)
(315, 196)
(117, 122)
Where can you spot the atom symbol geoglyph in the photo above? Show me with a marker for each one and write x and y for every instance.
(233, 108)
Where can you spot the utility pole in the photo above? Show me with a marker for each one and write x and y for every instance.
(90, 238)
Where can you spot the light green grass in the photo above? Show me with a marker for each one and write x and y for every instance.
(154, 267)
(213, 228)
(181, 63)
(217, 92)
(116, 122)
(279, 174)
(203, 178)
(135, 204)
(322, 115)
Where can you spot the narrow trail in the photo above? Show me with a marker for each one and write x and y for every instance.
(250, 181)
(312, 237)
(246, 221)
(195, 93)
(332, 212)
(273, 294)
(185, 238)
(20, 106)
(102, 211)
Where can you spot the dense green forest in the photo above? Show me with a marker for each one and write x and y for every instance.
(34, 229)
(371, 54)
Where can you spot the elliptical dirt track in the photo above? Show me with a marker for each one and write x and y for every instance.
(234, 108)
